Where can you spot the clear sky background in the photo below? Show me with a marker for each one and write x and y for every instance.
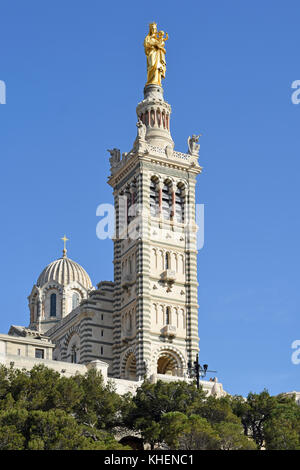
(75, 71)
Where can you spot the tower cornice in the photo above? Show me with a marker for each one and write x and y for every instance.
(156, 155)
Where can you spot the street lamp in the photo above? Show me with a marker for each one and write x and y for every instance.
(198, 371)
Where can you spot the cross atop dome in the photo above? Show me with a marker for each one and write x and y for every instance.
(65, 240)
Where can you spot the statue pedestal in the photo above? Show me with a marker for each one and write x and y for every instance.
(153, 91)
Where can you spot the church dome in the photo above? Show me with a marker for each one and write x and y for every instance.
(64, 271)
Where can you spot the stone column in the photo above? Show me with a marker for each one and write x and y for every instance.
(143, 313)
(191, 272)
(117, 292)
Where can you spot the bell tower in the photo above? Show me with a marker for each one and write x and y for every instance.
(155, 319)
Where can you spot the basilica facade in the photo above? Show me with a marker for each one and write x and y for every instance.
(145, 322)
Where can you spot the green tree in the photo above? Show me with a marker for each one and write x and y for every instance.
(56, 430)
(100, 406)
(150, 431)
(36, 389)
(173, 426)
(39, 389)
(232, 437)
(281, 434)
(40, 409)
(200, 436)
(196, 433)
(11, 438)
(21, 429)
(215, 410)
(4, 383)
(193, 432)
(254, 413)
(13, 429)
(153, 401)
(282, 429)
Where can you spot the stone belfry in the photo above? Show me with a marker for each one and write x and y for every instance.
(155, 318)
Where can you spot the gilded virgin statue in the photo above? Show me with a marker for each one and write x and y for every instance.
(155, 51)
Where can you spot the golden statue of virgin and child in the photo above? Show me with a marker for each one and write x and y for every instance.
(155, 51)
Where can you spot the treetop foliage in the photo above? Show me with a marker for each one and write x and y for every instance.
(41, 410)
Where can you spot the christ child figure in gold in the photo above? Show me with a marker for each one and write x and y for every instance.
(154, 45)
(162, 51)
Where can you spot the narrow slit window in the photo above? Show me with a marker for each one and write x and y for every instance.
(166, 202)
(179, 205)
(168, 316)
(53, 305)
(154, 199)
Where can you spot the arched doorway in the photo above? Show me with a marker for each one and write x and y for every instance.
(136, 443)
(130, 367)
(73, 349)
(169, 364)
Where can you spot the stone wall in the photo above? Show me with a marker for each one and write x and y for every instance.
(68, 369)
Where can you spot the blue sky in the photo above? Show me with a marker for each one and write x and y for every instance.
(75, 72)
